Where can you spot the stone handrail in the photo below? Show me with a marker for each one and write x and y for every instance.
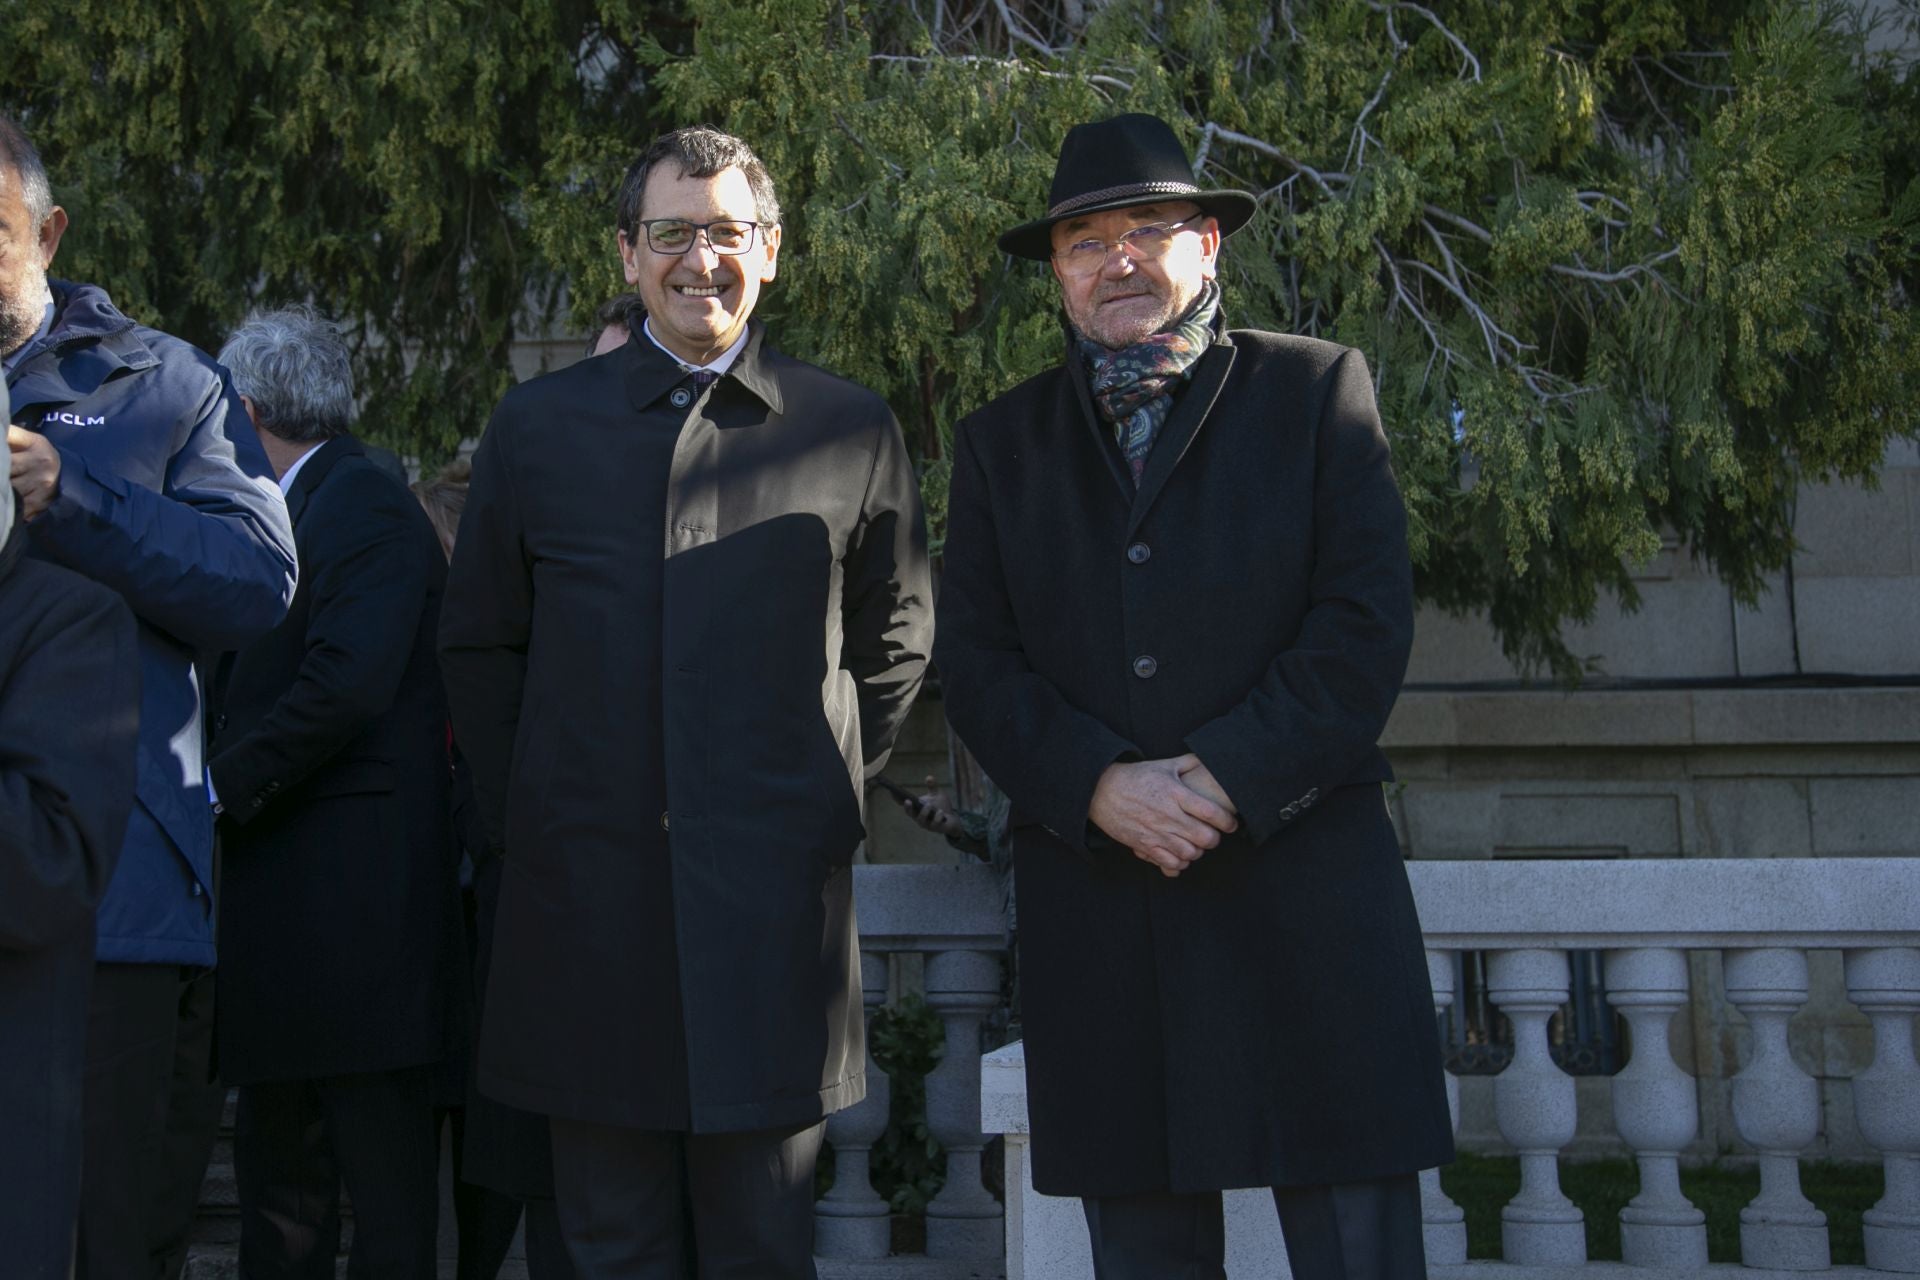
(1763, 915)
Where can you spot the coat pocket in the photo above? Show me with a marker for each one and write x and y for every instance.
(361, 776)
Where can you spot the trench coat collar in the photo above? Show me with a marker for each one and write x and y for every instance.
(1190, 409)
(651, 372)
(315, 470)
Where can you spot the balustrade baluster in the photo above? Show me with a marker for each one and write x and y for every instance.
(1444, 1222)
(1885, 983)
(964, 1220)
(851, 1220)
(1533, 1101)
(1656, 1109)
(1776, 1107)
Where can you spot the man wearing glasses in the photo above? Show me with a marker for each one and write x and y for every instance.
(1175, 611)
(671, 669)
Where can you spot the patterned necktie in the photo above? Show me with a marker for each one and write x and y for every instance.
(703, 378)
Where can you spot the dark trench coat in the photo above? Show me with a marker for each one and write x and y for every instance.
(69, 720)
(1265, 1018)
(790, 632)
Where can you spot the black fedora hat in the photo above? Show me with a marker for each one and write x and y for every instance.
(1110, 164)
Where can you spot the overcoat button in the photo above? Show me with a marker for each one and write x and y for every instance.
(681, 397)
(1144, 666)
(663, 822)
(1289, 813)
(219, 724)
(1139, 553)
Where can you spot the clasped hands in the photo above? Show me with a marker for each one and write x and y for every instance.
(1168, 812)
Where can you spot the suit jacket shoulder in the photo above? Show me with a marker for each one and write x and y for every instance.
(1290, 351)
(810, 385)
(1018, 411)
(530, 402)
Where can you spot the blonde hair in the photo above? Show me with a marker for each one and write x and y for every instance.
(444, 496)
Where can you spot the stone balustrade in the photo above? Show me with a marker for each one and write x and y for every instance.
(1761, 916)
(951, 916)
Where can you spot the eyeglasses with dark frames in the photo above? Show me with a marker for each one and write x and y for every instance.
(676, 235)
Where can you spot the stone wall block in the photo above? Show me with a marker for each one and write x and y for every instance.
(1763, 638)
(1449, 821)
(1753, 818)
(1864, 817)
(1858, 626)
(1845, 530)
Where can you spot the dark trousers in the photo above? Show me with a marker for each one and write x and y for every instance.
(486, 1221)
(193, 1123)
(1350, 1231)
(641, 1205)
(131, 1016)
(295, 1144)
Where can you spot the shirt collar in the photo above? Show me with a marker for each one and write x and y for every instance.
(286, 481)
(719, 364)
(46, 327)
(653, 370)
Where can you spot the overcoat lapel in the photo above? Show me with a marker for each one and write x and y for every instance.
(1189, 411)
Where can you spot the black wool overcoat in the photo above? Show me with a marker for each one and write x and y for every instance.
(726, 587)
(69, 719)
(1264, 1018)
(340, 938)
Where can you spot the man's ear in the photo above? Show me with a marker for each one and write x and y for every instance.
(253, 415)
(772, 237)
(629, 256)
(1210, 242)
(51, 230)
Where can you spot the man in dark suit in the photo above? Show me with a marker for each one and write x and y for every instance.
(687, 612)
(1175, 612)
(329, 764)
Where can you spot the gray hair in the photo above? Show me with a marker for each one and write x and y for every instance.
(293, 364)
(18, 151)
(701, 151)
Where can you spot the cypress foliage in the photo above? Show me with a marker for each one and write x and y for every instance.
(1620, 268)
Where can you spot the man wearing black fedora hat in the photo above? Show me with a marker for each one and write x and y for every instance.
(1176, 611)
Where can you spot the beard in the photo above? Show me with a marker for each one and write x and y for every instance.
(1140, 320)
(21, 311)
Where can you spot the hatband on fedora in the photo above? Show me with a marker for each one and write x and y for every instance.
(1110, 164)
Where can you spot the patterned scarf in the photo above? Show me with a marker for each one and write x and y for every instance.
(1133, 387)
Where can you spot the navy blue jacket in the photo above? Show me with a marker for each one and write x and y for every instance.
(166, 497)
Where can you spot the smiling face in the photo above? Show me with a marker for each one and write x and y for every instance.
(26, 251)
(1129, 299)
(698, 302)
